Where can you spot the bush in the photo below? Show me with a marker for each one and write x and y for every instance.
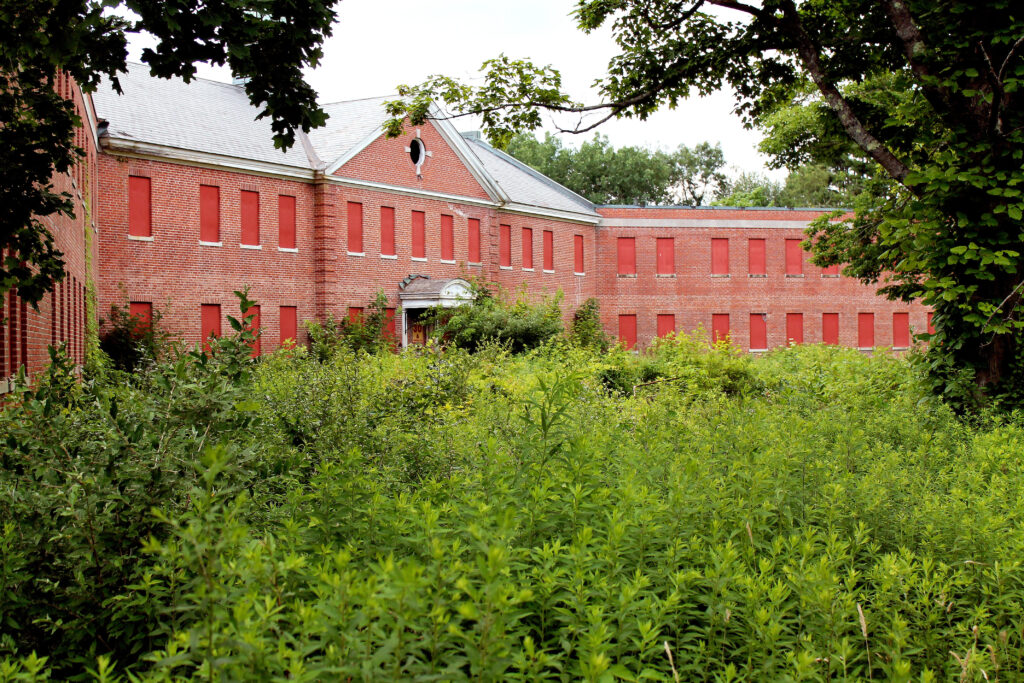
(587, 330)
(131, 342)
(368, 332)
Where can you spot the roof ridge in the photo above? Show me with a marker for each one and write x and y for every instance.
(211, 81)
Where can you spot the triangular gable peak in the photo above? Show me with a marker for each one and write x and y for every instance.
(432, 157)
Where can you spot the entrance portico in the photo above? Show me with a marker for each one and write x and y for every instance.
(419, 293)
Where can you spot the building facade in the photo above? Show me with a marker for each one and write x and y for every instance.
(188, 201)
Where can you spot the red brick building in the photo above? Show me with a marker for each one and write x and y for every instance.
(191, 201)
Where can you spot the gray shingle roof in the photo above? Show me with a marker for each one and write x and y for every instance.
(349, 124)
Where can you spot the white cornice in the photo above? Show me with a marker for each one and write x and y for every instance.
(723, 222)
(351, 153)
(466, 155)
(175, 155)
(557, 214)
(410, 191)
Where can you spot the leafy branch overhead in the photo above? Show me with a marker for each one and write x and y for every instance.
(911, 107)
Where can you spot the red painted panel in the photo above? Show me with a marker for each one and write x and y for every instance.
(830, 270)
(626, 255)
(549, 250)
(289, 326)
(505, 245)
(719, 327)
(627, 330)
(12, 336)
(901, 330)
(447, 237)
(286, 222)
(577, 244)
(419, 234)
(473, 228)
(254, 326)
(387, 231)
(527, 248)
(250, 218)
(666, 324)
(355, 227)
(666, 255)
(209, 213)
(720, 256)
(209, 322)
(140, 213)
(757, 263)
(865, 330)
(758, 331)
(143, 310)
(795, 328)
(355, 314)
(794, 258)
(830, 328)
(389, 322)
(931, 328)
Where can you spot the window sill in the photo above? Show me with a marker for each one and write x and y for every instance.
(418, 258)
(866, 348)
(392, 257)
(139, 238)
(256, 247)
(832, 276)
(665, 275)
(580, 274)
(444, 260)
(356, 253)
(758, 275)
(901, 348)
(550, 272)
(474, 263)
(758, 350)
(719, 274)
(627, 275)
(528, 270)
(794, 275)
(504, 267)
(289, 250)
(210, 244)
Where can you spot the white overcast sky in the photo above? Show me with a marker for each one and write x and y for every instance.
(379, 44)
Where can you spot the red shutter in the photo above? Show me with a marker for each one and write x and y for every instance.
(719, 327)
(209, 322)
(666, 255)
(758, 332)
(355, 228)
(143, 310)
(389, 322)
(720, 256)
(250, 218)
(831, 271)
(527, 248)
(666, 324)
(387, 231)
(286, 223)
(473, 228)
(505, 245)
(931, 328)
(289, 326)
(23, 330)
(626, 253)
(627, 330)
(254, 327)
(355, 314)
(577, 256)
(757, 263)
(794, 258)
(549, 250)
(901, 330)
(866, 330)
(140, 216)
(830, 328)
(12, 335)
(794, 328)
(209, 213)
(447, 238)
(419, 234)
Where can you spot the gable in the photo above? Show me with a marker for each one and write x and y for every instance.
(387, 161)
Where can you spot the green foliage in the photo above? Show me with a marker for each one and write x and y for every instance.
(518, 325)
(586, 329)
(368, 332)
(131, 342)
(269, 42)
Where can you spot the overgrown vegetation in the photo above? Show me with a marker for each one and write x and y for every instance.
(131, 341)
(559, 514)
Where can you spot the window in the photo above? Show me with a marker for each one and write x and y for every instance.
(794, 258)
(254, 327)
(931, 328)
(209, 214)
(577, 256)
(387, 231)
(143, 310)
(901, 330)
(286, 223)
(389, 323)
(758, 332)
(666, 324)
(355, 228)
(665, 255)
(505, 246)
(719, 327)
(140, 216)
(527, 249)
(289, 326)
(794, 328)
(720, 256)
(419, 235)
(757, 263)
(209, 322)
(626, 256)
(473, 230)
(355, 314)
(830, 271)
(549, 251)
(627, 330)
(250, 218)
(830, 328)
(866, 330)
(447, 238)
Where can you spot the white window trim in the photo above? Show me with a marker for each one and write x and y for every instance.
(210, 244)
(758, 275)
(721, 274)
(669, 275)
(418, 258)
(444, 260)
(504, 267)
(795, 275)
(528, 270)
(475, 263)
(392, 257)
(256, 247)
(137, 238)
(548, 271)
(580, 274)
(356, 253)
(289, 250)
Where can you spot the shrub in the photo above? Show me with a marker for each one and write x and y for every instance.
(131, 342)
(586, 329)
(369, 332)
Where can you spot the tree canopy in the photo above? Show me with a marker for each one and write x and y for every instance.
(268, 42)
(928, 92)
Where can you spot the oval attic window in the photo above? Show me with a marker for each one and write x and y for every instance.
(416, 151)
